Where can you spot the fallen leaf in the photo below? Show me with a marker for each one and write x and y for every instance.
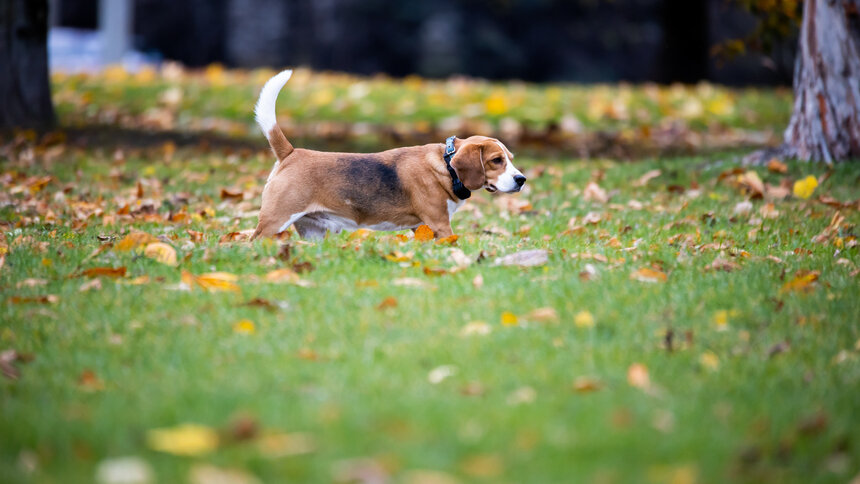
(583, 319)
(275, 446)
(231, 194)
(478, 281)
(644, 179)
(423, 233)
(411, 282)
(48, 299)
(585, 384)
(478, 328)
(360, 234)
(522, 395)
(593, 193)
(646, 274)
(124, 470)
(776, 166)
(284, 275)
(509, 319)
(526, 258)
(542, 315)
(161, 252)
(184, 439)
(387, 303)
(802, 282)
(209, 474)
(721, 264)
(709, 361)
(91, 285)
(450, 240)
(485, 466)
(104, 272)
(637, 376)
(804, 188)
(440, 373)
(213, 281)
(244, 326)
(89, 381)
(134, 240)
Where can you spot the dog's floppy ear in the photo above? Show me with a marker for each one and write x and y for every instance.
(469, 164)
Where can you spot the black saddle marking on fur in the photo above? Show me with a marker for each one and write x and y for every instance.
(370, 184)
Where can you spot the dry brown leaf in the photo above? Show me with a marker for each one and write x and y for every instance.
(104, 272)
(721, 264)
(752, 183)
(585, 384)
(48, 299)
(91, 285)
(231, 194)
(593, 193)
(423, 233)
(282, 275)
(648, 176)
(647, 274)
(776, 166)
(542, 315)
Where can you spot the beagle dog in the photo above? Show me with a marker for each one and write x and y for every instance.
(393, 190)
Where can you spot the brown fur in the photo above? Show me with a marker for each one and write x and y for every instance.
(404, 186)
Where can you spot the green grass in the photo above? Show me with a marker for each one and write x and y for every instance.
(163, 356)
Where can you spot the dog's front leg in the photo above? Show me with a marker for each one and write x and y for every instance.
(438, 221)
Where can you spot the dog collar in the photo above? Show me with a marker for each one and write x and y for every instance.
(459, 189)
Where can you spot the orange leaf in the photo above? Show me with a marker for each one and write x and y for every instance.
(104, 272)
(389, 302)
(646, 274)
(423, 233)
(217, 281)
(451, 239)
(802, 282)
(134, 240)
(637, 376)
(360, 234)
(776, 166)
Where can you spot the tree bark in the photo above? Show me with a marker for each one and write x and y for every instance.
(825, 123)
(25, 90)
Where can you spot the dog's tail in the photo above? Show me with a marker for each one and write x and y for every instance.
(266, 118)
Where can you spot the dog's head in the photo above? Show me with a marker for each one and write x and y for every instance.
(483, 162)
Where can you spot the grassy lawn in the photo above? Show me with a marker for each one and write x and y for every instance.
(675, 333)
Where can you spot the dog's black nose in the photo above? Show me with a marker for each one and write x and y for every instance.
(520, 180)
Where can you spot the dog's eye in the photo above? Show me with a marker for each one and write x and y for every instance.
(496, 161)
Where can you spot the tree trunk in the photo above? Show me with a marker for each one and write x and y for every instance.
(25, 91)
(825, 124)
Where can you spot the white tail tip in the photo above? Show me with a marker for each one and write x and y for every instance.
(265, 108)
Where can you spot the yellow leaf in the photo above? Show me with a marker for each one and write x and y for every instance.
(450, 240)
(217, 281)
(134, 240)
(509, 319)
(282, 275)
(185, 439)
(496, 105)
(721, 320)
(423, 233)
(804, 188)
(360, 234)
(583, 319)
(161, 252)
(709, 360)
(244, 326)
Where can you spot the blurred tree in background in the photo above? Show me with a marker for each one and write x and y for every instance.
(25, 95)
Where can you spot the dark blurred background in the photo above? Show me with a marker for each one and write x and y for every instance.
(532, 40)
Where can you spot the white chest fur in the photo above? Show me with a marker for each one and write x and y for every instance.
(453, 207)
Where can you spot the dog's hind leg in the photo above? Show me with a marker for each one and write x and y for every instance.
(269, 226)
